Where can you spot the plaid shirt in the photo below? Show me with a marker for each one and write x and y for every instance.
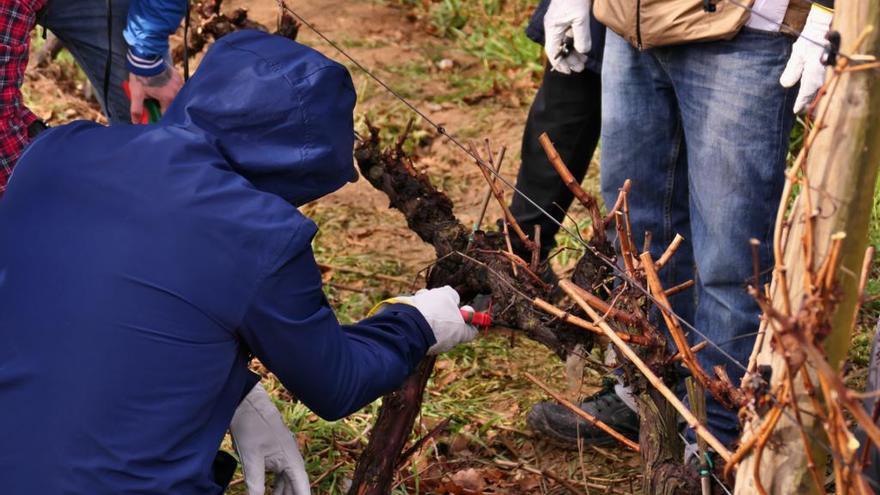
(17, 18)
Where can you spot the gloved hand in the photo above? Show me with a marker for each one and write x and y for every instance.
(564, 17)
(264, 443)
(805, 64)
(440, 309)
(164, 86)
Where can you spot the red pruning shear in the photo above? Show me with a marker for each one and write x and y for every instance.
(152, 110)
(480, 320)
(476, 318)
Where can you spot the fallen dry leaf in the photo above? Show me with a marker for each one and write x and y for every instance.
(470, 479)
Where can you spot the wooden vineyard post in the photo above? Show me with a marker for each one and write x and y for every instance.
(841, 170)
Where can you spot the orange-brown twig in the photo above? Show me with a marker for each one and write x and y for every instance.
(811, 462)
(772, 420)
(863, 282)
(497, 164)
(724, 392)
(750, 443)
(609, 217)
(516, 261)
(695, 349)
(574, 186)
(580, 322)
(499, 196)
(841, 395)
(610, 311)
(510, 248)
(625, 247)
(679, 288)
(673, 247)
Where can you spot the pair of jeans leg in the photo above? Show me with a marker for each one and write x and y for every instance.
(81, 25)
(702, 131)
(568, 108)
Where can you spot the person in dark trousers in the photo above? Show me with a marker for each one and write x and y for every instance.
(136, 286)
(568, 108)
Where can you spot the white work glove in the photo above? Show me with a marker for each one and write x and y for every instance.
(264, 443)
(440, 309)
(567, 18)
(805, 64)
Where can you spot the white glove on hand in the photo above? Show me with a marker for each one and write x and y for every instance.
(562, 17)
(264, 443)
(440, 309)
(805, 64)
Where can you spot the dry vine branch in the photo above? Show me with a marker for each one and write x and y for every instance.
(658, 384)
(499, 196)
(720, 388)
(572, 184)
(477, 262)
(212, 23)
(468, 261)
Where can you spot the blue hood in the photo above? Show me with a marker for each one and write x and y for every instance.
(280, 112)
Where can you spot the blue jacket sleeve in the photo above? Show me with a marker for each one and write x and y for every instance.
(333, 369)
(150, 23)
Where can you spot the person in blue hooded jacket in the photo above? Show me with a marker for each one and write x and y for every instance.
(141, 267)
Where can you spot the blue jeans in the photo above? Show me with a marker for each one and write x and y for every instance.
(702, 131)
(81, 25)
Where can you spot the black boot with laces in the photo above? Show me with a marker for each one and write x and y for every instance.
(562, 427)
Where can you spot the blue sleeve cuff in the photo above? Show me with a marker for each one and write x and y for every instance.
(144, 65)
(411, 314)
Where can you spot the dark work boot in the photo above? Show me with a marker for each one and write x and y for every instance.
(562, 427)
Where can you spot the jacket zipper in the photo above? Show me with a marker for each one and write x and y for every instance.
(639, 24)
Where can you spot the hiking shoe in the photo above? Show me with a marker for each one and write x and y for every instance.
(562, 427)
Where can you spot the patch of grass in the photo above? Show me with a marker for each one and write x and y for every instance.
(874, 226)
(477, 387)
(449, 17)
(490, 31)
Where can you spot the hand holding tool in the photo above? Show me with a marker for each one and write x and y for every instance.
(806, 62)
(476, 318)
(567, 18)
(440, 309)
(153, 110)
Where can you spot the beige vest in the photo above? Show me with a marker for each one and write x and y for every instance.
(652, 23)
